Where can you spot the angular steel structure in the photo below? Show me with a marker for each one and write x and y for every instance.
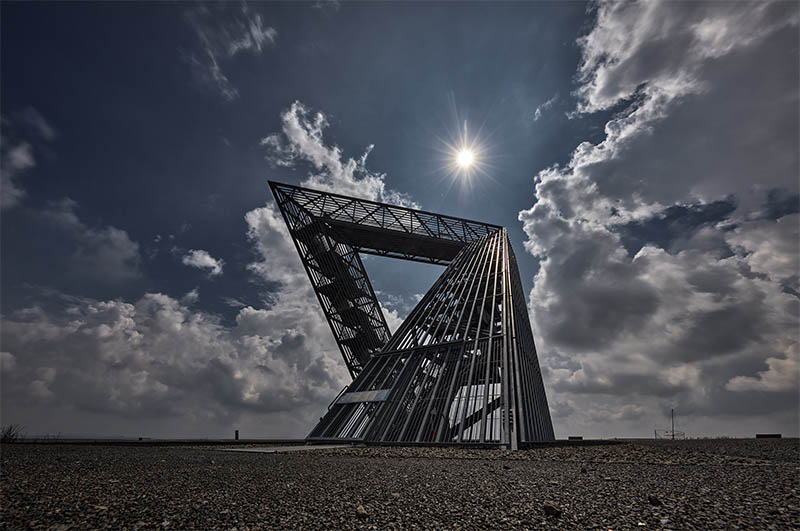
(462, 368)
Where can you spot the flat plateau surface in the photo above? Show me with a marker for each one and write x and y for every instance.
(703, 484)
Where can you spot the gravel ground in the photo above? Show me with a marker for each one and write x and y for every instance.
(712, 484)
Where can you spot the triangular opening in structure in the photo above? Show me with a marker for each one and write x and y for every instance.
(462, 367)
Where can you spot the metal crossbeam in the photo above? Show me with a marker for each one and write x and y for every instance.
(386, 230)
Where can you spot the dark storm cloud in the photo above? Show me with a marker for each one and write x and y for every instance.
(720, 332)
(623, 384)
(612, 299)
(781, 203)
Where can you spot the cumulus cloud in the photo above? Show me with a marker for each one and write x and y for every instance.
(660, 282)
(106, 254)
(225, 31)
(770, 247)
(191, 297)
(202, 260)
(160, 365)
(396, 307)
(782, 375)
(301, 142)
(393, 319)
(665, 49)
(157, 358)
(717, 71)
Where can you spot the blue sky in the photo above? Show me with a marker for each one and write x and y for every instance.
(643, 158)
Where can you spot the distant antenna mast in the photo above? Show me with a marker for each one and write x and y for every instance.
(672, 411)
(671, 433)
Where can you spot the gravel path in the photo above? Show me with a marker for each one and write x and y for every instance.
(719, 484)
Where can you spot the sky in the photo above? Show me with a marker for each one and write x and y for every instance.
(643, 156)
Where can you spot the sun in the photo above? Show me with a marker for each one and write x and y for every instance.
(465, 158)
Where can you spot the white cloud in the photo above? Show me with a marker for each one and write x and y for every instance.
(279, 261)
(396, 307)
(393, 319)
(543, 107)
(202, 260)
(783, 374)
(696, 97)
(233, 302)
(107, 255)
(224, 31)
(158, 366)
(158, 359)
(191, 297)
(17, 152)
(301, 141)
(705, 97)
(16, 159)
(661, 47)
(770, 247)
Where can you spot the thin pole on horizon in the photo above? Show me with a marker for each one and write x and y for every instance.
(672, 411)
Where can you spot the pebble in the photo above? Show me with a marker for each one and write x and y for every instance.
(551, 509)
(654, 500)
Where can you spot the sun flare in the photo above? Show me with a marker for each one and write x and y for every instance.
(465, 158)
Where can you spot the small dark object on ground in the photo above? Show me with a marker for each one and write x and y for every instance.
(583, 470)
(361, 512)
(768, 435)
(575, 437)
(551, 509)
(654, 500)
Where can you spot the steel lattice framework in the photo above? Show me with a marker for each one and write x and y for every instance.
(462, 368)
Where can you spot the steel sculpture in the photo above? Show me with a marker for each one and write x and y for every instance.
(462, 368)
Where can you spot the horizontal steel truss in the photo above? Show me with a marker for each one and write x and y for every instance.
(331, 230)
(462, 368)
(386, 230)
